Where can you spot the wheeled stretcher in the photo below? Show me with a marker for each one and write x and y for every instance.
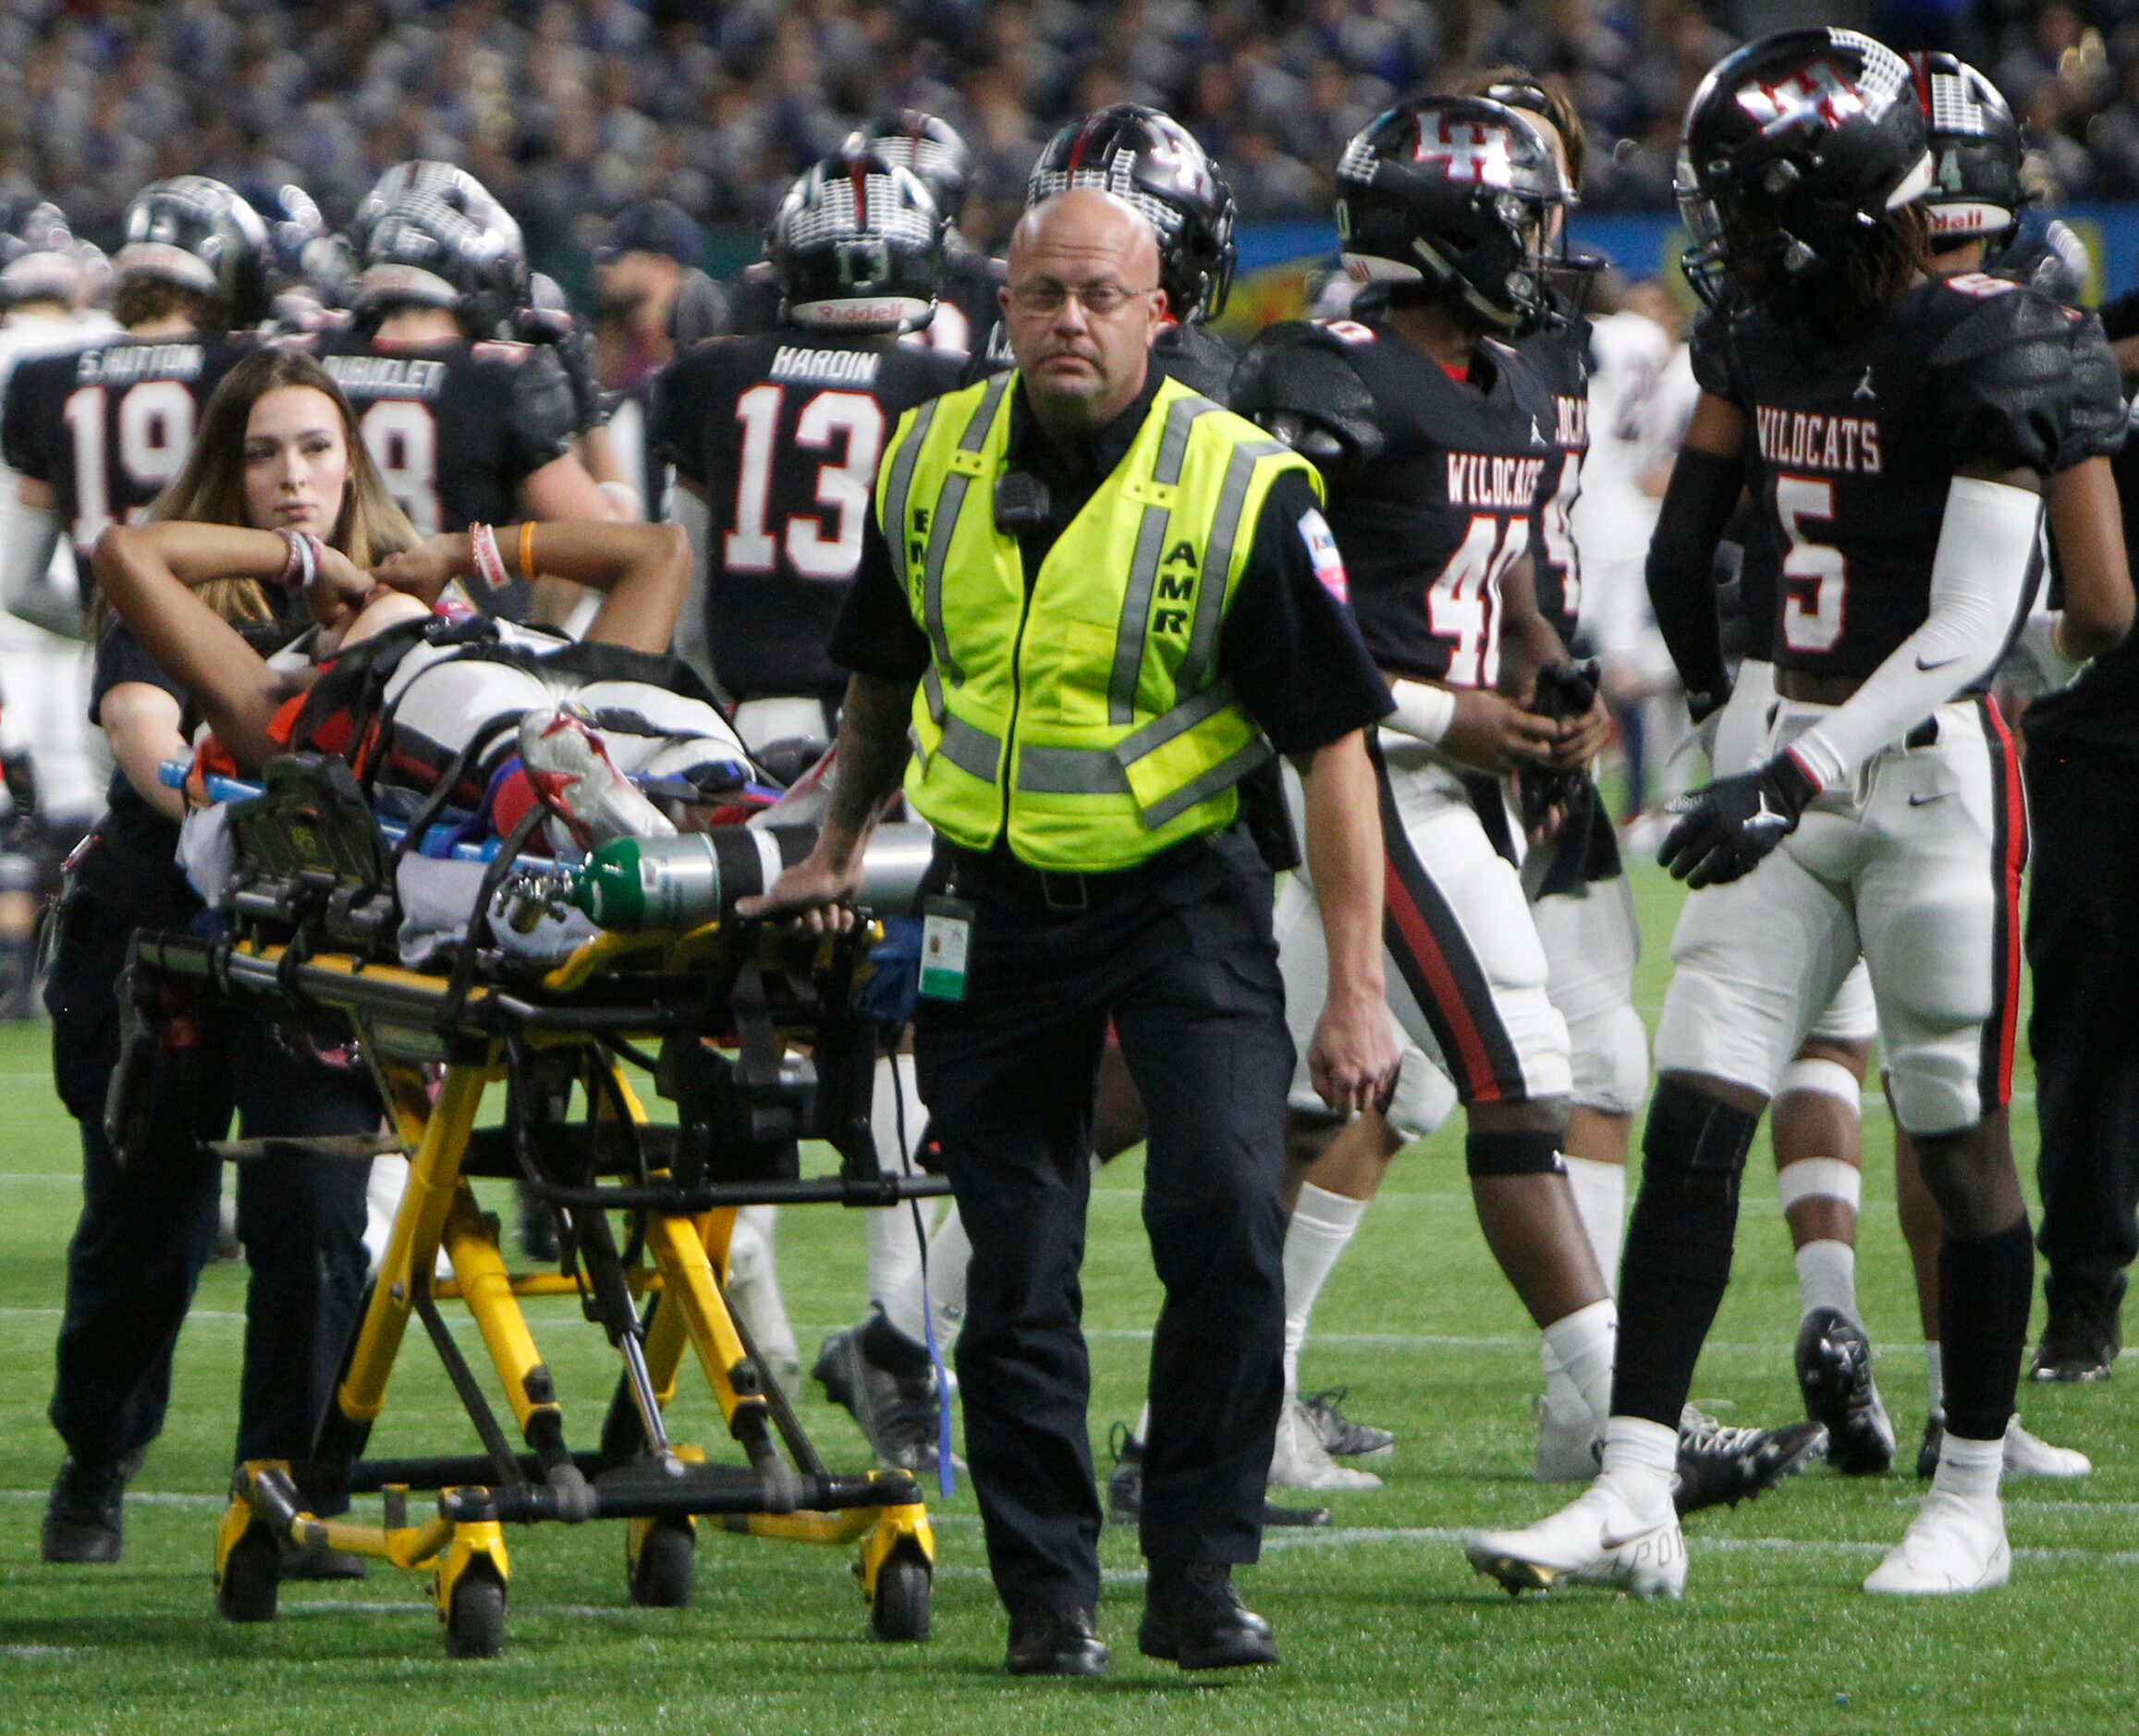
(749, 1031)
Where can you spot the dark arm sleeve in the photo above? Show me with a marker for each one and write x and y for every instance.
(876, 633)
(1288, 643)
(1704, 488)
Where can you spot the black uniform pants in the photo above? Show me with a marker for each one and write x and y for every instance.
(2082, 945)
(1184, 963)
(145, 1231)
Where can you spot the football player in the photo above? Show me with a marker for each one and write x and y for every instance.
(779, 434)
(1893, 428)
(967, 323)
(467, 427)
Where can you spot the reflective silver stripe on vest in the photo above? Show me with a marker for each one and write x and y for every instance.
(1223, 776)
(899, 489)
(1070, 772)
(969, 749)
(1150, 534)
(1218, 561)
(1182, 718)
(943, 520)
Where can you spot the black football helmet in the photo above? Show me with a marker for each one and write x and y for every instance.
(933, 151)
(1153, 163)
(858, 245)
(1795, 148)
(430, 234)
(40, 258)
(1454, 192)
(203, 236)
(1975, 152)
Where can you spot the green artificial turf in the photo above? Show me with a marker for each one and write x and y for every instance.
(1382, 1624)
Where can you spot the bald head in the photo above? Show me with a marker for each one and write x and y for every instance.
(1082, 307)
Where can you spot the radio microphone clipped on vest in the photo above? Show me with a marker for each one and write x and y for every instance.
(1022, 502)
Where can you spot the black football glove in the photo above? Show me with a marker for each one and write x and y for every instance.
(1725, 829)
(1563, 691)
(573, 344)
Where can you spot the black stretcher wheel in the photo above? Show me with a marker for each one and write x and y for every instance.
(252, 1576)
(667, 1564)
(899, 1612)
(475, 1616)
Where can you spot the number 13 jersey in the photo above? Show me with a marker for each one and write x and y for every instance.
(781, 432)
(1852, 440)
(1430, 524)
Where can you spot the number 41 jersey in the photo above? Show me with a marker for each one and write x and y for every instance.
(107, 426)
(781, 432)
(1429, 525)
(1852, 441)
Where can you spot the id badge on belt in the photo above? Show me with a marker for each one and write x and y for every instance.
(947, 934)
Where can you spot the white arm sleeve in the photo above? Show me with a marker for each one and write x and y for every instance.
(1985, 545)
(32, 538)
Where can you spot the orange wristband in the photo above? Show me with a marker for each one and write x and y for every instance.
(526, 566)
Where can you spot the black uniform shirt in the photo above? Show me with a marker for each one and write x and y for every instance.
(1288, 643)
(1559, 354)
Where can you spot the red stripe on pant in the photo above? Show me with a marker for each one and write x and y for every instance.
(2010, 843)
(1480, 1082)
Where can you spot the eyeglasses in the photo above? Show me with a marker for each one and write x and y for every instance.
(1044, 295)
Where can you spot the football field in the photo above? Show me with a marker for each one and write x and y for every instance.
(1382, 1625)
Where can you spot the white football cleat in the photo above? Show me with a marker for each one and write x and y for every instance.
(1569, 1443)
(1302, 1461)
(2029, 1455)
(1598, 1539)
(1954, 1544)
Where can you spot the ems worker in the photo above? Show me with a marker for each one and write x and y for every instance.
(1109, 602)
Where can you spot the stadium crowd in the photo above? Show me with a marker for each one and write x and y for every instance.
(568, 110)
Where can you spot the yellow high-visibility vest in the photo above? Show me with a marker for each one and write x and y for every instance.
(1085, 715)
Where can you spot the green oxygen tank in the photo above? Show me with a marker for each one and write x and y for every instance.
(680, 881)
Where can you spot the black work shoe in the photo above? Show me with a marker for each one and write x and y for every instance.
(1834, 1372)
(84, 1519)
(1934, 1442)
(1192, 1614)
(1719, 1465)
(1125, 1492)
(1056, 1641)
(2080, 1342)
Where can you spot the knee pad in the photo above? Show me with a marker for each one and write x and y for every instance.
(1611, 1060)
(1937, 1088)
(1695, 1144)
(1511, 1153)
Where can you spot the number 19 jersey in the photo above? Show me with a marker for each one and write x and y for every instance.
(782, 431)
(1430, 524)
(105, 427)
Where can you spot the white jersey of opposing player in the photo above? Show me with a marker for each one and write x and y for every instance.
(1629, 355)
(45, 679)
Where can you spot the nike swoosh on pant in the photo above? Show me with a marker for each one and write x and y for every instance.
(1938, 663)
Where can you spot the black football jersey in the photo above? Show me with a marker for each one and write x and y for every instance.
(782, 432)
(1429, 526)
(1558, 354)
(968, 322)
(107, 426)
(1853, 441)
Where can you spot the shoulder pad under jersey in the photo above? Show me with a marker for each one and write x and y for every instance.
(1296, 380)
(2002, 386)
(2098, 411)
(1708, 348)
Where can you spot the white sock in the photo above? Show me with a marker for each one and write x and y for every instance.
(1826, 1278)
(1322, 1223)
(1144, 1422)
(1641, 1460)
(1935, 1370)
(949, 1251)
(893, 1249)
(1970, 1468)
(1581, 1344)
(1600, 1200)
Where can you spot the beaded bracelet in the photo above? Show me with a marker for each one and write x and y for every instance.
(484, 557)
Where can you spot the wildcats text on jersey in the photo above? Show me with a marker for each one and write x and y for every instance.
(1807, 441)
(126, 362)
(1573, 422)
(839, 367)
(1482, 479)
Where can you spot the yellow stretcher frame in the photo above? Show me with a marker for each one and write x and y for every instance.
(461, 1546)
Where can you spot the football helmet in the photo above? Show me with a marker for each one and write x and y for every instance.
(933, 150)
(1454, 192)
(203, 236)
(1795, 148)
(1152, 162)
(1975, 152)
(41, 260)
(430, 234)
(858, 245)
